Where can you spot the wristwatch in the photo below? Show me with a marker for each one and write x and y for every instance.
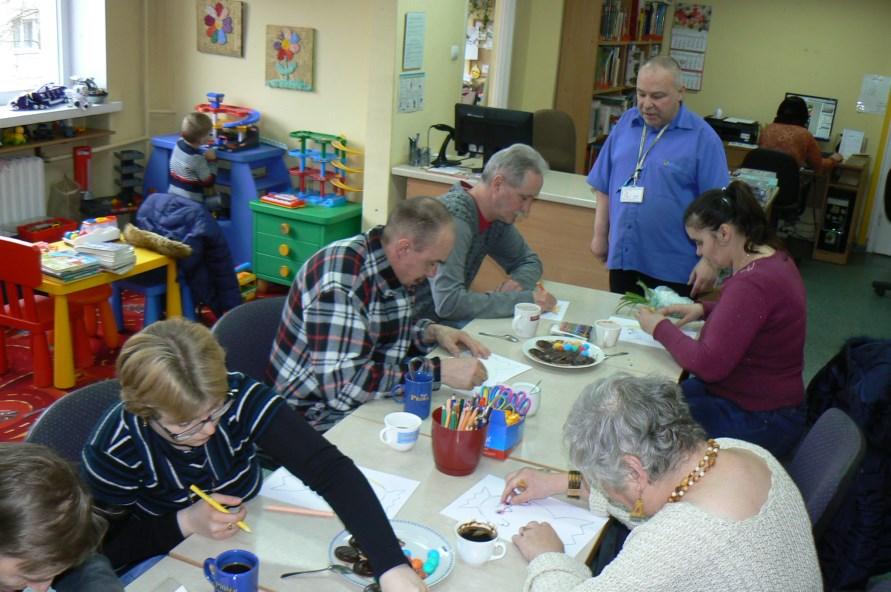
(574, 488)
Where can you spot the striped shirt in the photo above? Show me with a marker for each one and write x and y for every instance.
(347, 332)
(189, 171)
(128, 464)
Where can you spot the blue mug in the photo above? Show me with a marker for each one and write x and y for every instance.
(235, 570)
(415, 391)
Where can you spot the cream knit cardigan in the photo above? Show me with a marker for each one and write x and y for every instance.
(687, 549)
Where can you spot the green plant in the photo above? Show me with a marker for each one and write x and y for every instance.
(631, 299)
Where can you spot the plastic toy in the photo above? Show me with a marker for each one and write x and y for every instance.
(48, 95)
(239, 134)
(332, 150)
(94, 230)
(87, 87)
(14, 136)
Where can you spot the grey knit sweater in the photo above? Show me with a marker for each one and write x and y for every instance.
(448, 295)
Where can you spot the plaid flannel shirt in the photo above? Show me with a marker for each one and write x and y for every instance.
(347, 332)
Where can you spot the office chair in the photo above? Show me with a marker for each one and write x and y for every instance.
(66, 425)
(553, 135)
(790, 201)
(825, 464)
(881, 285)
(247, 332)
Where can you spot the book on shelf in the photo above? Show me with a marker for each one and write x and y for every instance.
(69, 265)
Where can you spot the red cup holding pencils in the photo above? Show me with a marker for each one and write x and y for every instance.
(457, 451)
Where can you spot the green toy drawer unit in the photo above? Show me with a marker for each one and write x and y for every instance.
(285, 238)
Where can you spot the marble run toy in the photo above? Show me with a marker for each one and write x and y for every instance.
(332, 150)
(240, 133)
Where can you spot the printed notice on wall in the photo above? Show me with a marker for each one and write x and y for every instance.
(689, 40)
(874, 94)
(411, 91)
(413, 45)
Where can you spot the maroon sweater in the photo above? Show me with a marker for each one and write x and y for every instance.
(751, 348)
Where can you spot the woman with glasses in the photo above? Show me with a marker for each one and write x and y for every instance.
(184, 420)
(704, 514)
(747, 364)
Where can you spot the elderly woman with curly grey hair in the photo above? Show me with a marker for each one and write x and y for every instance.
(704, 514)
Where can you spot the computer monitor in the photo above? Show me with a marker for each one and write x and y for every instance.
(487, 130)
(822, 115)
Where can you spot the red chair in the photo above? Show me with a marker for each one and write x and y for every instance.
(23, 309)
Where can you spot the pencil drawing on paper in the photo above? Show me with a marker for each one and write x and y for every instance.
(575, 526)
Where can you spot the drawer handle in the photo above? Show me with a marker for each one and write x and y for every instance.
(283, 250)
(284, 271)
(285, 228)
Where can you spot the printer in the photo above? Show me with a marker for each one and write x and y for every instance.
(731, 129)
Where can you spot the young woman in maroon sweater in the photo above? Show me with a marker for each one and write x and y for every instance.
(747, 364)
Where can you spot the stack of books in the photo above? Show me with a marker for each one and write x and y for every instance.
(114, 257)
(68, 265)
(761, 182)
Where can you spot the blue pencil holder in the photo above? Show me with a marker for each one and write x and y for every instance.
(502, 438)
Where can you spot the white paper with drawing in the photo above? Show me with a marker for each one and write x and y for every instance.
(575, 526)
(632, 333)
(392, 490)
(501, 369)
(558, 313)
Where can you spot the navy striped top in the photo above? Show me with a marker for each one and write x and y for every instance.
(127, 463)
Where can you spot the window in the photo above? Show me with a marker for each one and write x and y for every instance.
(29, 52)
(38, 43)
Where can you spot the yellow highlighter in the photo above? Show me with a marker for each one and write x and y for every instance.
(217, 506)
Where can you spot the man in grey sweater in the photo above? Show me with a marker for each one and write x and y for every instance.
(484, 217)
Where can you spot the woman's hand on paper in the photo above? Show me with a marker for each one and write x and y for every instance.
(687, 312)
(536, 538)
(201, 518)
(532, 485)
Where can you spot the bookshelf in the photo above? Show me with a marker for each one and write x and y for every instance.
(603, 44)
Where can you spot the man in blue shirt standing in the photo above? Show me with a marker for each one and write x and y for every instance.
(659, 157)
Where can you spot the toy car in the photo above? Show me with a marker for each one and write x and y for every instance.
(48, 95)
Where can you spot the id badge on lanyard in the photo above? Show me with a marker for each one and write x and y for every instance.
(631, 192)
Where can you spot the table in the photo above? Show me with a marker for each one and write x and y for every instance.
(541, 443)
(63, 356)
(287, 543)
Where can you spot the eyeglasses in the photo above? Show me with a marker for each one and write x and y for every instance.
(214, 417)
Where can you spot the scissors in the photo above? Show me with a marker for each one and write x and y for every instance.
(419, 364)
(516, 401)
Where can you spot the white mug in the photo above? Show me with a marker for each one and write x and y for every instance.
(478, 542)
(607, 332)
(525, 323)
(400, 430)
(533, 393)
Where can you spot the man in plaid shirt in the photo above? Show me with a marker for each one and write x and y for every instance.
(348, 331)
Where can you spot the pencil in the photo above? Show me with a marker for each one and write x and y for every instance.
(217, 506)
(300, 511)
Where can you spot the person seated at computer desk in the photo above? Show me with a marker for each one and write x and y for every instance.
(789, 134)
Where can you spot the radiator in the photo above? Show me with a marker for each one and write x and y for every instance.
(22, 190)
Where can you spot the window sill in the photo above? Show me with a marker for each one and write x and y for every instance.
(10, 118)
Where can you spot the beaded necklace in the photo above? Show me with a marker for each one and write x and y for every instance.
(711, 454)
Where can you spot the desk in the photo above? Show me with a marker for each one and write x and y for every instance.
(63, 356)
(541, 443)
(287, 543)
(566, 202)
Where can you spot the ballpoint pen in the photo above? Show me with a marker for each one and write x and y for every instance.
(217, 506)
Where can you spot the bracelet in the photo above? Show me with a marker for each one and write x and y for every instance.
(574, 488)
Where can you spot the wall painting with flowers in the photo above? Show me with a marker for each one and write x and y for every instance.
(289, 57)
(220, 27)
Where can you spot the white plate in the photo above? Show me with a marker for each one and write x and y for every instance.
(417, 538)
(529, 344)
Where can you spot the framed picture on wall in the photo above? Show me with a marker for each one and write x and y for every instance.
(289, 57)
(220, 27)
